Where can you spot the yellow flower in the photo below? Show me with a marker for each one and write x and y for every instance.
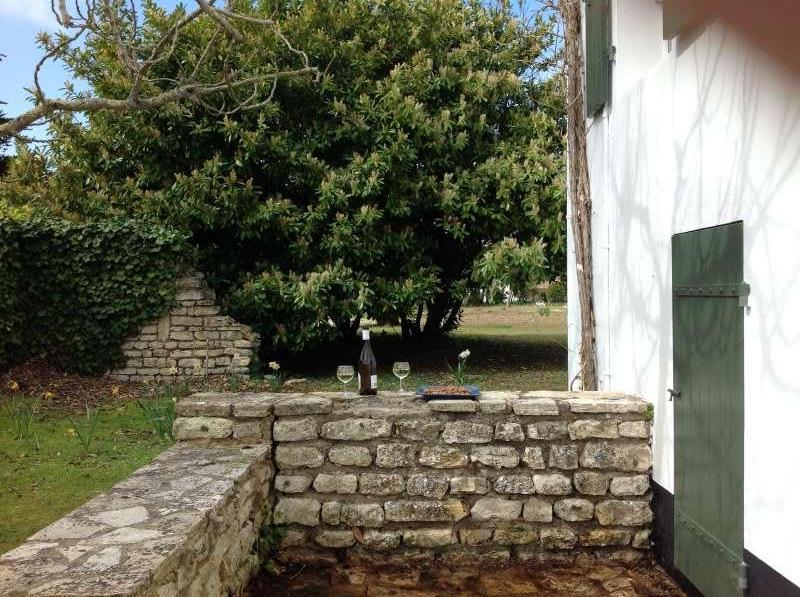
(115, 390)
(13, 386)
(274, 365)
(49, 395)
(70, 431)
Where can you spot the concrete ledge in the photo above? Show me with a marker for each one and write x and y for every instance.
(183, 525)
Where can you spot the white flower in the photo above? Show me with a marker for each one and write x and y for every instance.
(274, 365)
(464, 354)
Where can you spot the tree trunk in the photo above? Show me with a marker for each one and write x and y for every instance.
(579, 195)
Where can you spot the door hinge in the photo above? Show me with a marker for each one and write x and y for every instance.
(739, 290)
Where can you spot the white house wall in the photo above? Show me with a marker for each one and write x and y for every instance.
(703, 133)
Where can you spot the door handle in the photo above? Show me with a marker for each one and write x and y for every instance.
(673, 394)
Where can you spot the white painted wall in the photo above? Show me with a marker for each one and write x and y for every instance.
(701, 133)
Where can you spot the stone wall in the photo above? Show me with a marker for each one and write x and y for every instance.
(183, 526)
(530, 476)
(192, 340)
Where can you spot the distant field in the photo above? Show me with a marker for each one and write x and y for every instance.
(514, 347)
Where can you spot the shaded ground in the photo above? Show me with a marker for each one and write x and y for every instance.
(645, 579)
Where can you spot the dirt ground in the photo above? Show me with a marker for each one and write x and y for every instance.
(644, 579)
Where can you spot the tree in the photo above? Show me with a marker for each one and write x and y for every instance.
(579, 190)
(134, 52)
(431, 135)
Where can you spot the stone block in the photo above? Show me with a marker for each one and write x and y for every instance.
(187, 428)
(564, 456)
(304, 511)
(466, 432)
(335, 539)
(508, 431)
(535, 407)
(574, 509)
(395, 455)
(493, 407)
(361, 515)
(519, 484)
(381, 540)
(427, 486)
(641, 540)
(460, 558)
(378, 484)
(496, 456)
(557, 538)
(533, 458)
(254, 405)
(442, 457)
(536, 510)
(425, 511)
(248, 430)
(604, 537)
(292, 456)
(489, 508)
(459, 485)
(338, 483)
(356, 429)
(634, 485)
(292, 483)
(552, 484)
(547, 430)
(303, 405)
(593, 428)
(639, 429)
(205, 405)
(428, 538)
(475, 536)
(623, 457)
(294, 430)
(453, 406)
(415, 430)
(591, 483)
(350, 455)
(331, 513)
(292, 538)
(623, 513)
(610, 405)
(515, 535)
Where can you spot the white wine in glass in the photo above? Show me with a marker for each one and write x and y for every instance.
(401, 369)
(345, 374)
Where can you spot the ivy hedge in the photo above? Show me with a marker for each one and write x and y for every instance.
(71, 293)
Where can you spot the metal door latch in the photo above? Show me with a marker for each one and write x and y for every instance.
(673, 394)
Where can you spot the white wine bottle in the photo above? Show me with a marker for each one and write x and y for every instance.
(367, 368)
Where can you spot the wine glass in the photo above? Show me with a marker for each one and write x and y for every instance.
(401, 369)
(345, 373)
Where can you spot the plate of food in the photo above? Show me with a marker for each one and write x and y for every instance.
(448, 392)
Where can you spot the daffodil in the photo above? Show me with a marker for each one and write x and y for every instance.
(13, 386)
(274, 365)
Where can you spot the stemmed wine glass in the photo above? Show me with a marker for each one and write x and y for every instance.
(401, 369)
(345, 373)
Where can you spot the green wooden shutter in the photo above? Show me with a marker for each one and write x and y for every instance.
(598, 46)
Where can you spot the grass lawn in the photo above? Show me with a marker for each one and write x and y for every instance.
(514, 347)
(48, 473)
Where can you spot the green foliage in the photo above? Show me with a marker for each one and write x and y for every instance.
(22, 413)
(71, 293)
(84, 427)
(508, 264)
(267, 543)
(434, 133)
(160, 413)
(556, 292)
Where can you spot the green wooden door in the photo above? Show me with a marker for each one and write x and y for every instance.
(709, 296)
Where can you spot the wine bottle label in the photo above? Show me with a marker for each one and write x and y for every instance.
(373, 381)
